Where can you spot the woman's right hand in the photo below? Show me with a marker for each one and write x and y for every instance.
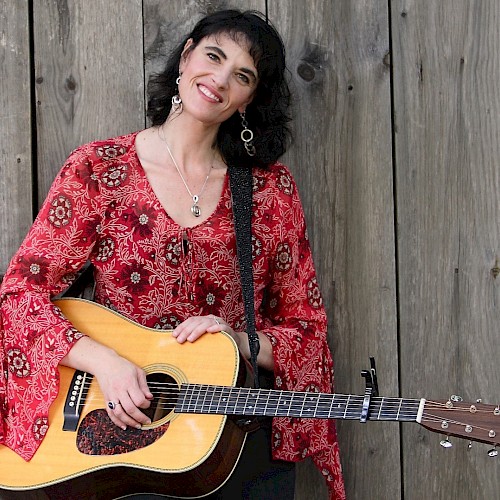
(122, 382)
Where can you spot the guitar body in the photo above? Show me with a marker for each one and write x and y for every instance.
(184, 455)
(191, 452)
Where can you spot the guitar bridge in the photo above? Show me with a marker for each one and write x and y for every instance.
(75, 399)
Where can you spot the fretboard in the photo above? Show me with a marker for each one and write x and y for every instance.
(222, 400)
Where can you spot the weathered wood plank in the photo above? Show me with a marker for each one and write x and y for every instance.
(167, 23)
(15, 126)
(447, 118)
(89, 76)
(342, 162)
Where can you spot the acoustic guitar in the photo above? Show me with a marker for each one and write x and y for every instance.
(195, 439)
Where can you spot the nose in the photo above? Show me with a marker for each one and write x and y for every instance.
(221, 78)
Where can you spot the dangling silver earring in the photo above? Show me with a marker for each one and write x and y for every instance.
(176, 99)
(247, 136)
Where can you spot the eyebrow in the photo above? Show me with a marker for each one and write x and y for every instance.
(222, 54)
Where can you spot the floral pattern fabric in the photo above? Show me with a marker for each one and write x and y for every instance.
(102, 208)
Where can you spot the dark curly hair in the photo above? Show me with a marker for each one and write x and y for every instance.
(267, 114)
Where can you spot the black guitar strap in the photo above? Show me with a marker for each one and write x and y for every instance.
(241, 182)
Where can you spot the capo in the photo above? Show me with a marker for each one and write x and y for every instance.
(371, 389)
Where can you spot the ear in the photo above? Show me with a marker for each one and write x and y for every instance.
(243, 107)
(186, 51)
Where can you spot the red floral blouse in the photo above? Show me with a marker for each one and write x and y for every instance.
(102, 208)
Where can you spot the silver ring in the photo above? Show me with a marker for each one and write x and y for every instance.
(112, 405)
(215, 319)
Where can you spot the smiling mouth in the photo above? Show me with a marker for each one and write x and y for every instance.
(209, 94)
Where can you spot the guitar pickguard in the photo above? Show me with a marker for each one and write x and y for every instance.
(98, 435)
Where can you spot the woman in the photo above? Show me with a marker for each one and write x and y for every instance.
(153, 212)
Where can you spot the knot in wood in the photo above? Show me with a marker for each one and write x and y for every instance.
(306, 71)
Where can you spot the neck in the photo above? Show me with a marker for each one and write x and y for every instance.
(191, 143)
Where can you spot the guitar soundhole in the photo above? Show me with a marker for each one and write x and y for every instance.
(165, 391)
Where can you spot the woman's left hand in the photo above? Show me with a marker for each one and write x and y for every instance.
(194, 327)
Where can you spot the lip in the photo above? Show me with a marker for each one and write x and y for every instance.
(209, 93)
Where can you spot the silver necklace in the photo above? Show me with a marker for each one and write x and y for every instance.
(195, 208)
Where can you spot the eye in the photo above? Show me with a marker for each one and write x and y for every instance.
(213, 57)
(244, 78)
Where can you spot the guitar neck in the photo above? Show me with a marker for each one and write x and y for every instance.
(221, 400)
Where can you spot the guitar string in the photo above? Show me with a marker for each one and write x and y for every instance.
(166, 401)
(242, 391)
(383, 404)
(408, 413)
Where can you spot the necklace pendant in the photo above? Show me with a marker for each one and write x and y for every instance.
(196, 210)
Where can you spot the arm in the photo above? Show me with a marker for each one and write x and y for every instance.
(35, 336)
(120, 380)
(293, 316)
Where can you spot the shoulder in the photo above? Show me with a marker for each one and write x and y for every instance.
(95, 160)
(275, 179)
(102, 151)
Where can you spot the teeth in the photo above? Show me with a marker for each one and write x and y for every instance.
(205, 91)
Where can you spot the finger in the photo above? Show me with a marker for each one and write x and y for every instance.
(131, 415)
(140, 394)
(116, 420)
(186, 329)
(127, 413)
(143, 385)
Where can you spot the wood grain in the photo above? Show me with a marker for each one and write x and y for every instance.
(342, 163)
(15, 129)
(89, 76)
(447, 126)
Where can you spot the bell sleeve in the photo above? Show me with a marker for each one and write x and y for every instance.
(34, 334)
(296, 324)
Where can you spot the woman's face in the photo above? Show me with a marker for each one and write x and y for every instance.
(219, 77)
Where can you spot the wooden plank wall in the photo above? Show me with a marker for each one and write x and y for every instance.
(397, 140)
(15, 128)
(447, 150)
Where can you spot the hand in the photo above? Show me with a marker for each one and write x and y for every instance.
(194, 327)
(121, 382)
(124, 384)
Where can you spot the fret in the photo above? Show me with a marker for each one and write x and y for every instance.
(347, 405)
(308, 412)
(380, 409)
(237, 402)
(251, 405)
(204, 405)
(303, 405)
(279, 403)
(219, 399)
(317, 404)
(335, 407)
(399, 409)
(286, 401)
(266, 405)
(225, 400)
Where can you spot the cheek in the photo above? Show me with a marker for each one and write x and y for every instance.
(246, 97)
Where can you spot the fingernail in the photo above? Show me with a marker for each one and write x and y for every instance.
(124, 427)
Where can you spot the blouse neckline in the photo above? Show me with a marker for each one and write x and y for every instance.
(134, 156)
